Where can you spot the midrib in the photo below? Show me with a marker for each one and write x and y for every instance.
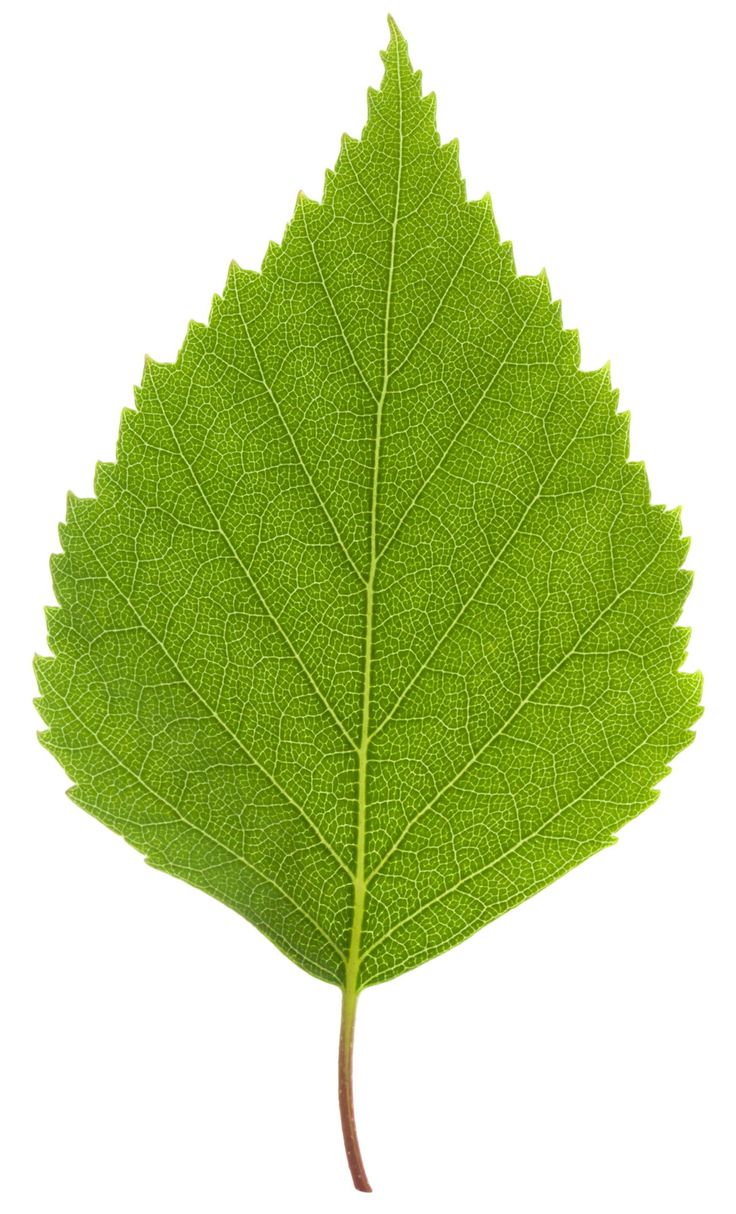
(353, 962)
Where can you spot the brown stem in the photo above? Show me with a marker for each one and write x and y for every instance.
(345, 1092)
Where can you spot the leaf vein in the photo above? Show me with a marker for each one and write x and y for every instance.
(213, 712)
(519, 707)
(251, 580)
(333, 309)
(282, 418)
(502, 550)
(516, 846)
(201, 829)
(449, 447)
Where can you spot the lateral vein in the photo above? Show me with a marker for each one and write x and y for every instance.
(214, 714)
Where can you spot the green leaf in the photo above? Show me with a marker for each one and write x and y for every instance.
(369, 632)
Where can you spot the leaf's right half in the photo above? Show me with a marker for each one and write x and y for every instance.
(526, 691)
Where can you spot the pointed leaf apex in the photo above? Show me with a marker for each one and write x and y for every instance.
(394, 30)
(397, 44)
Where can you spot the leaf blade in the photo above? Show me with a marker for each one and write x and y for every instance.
(372, 603)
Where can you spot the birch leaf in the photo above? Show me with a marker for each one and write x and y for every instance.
(370, 630)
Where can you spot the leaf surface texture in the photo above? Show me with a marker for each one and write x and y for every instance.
(369, 631)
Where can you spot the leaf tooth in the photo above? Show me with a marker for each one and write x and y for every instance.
(43, 735)
(451, 153)
(42, 664)
(680, 643)
(428, 104)
(156, 374)
(683, 581)
(624, 420)
(305, 202)
(197, 330)
(238, 279)
(683, 543)
(373, 96)
(693, 679)
(57, 564)
(671, 518)
(673, 514)
(603, 374)
(235, 271)
(638, 479)
(79, 508)
(104, 474)
(54, 623)
(328, 187)
(63, 528)
(484, 204)
(128, 424)
(305, 206)
(554, 305)
(274, 247)
(272, 251)
(506, 249)
(52, 613)
(571, 339)
(147, 378)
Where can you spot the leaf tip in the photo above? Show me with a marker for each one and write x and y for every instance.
(394, 31)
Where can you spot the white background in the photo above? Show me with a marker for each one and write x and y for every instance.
(159, 1055)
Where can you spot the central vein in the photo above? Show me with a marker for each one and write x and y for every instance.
(353, 963)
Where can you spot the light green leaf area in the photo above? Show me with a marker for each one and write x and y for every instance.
(369, 631)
